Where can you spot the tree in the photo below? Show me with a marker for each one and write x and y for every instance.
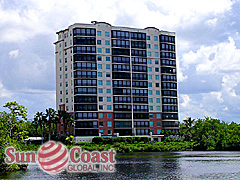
(67, 120)
(186, 128)
(50, 116)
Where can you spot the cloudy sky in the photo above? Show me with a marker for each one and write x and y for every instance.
(208, 48)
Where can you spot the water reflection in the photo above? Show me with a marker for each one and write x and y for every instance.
(175, 165)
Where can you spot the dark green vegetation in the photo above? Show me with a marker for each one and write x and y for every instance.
(200, 134)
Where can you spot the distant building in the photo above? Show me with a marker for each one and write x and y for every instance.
(117, 79)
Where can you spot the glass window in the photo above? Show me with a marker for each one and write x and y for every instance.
(99, 58)
(150, 92)
(158, 100)
(149, 69)
(107, 50)
(99, 74)
(157, 84)
(156, 69)
(159, 131)
(99, 33)
(157, 92)
(107, 66)
(100, 131)
(99, 66)
(108, 83)
(99, 42)
(148, 46)
(155, 38)
(107, 42)
(109, 107)
(149, 61)
(100, 82)
(149, 76)
(108, 99)
(107, 34)
(151, 108)
(158, 108)
(157, 77)
(148, 54)
(109, 115)
(158, 116)
(100, 99)
(150, 100)
(107, 58)
(148, 38)
(60, 76)
(100, 115)
(100, 122)
(156, 62)
(99, 50)
(108, 75)
(155, 46)
(109, 132)
(149, 84)
(108, 90)
(156, 54)
(151, 123)
(109, 123)
(100, 90)
(150, 115)
(100, 107)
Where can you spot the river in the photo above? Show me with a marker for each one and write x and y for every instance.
(161, 165)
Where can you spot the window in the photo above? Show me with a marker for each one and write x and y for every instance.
(151, 108)
(149, 84)
(156, 62)
(66, 68)
(99, 58)
(100, 99)
(99, 33)
(99, 66)
(149, 69)
(60, 76)
(66, 100)
(100, 82)
(66, 76)
(157, 84)
(66, 84)
(155, 38)
(148, 54)
(60, 52)
(60, 60)
(100, 107)
(149, 61)
(100, 90)
(100, 131)
(108, 83)
(158, 100)
(158, 108)
(156, 69)
(157, 77)
(107, 58)
(148, 46)
(109, 107)
(155, 46)
(107, 34)
(108, 90)
(100, 115)
(60, 92)
(109, 115)
(107, 42)
(99, 50)
(109, 123)
(99, 42)
(151, 124)
(156, 54)
(100, 122)
(108, 99)
(157, 92)
(159, 131)
(158, 116)
(150, 100)
(151, 116)
(150, 92)
(107, 50)
(99, 74)
(107, 66)
(110, 132)
(60, 84)
(108, 75)
(148, 38)
(66, 92)
(149, 76)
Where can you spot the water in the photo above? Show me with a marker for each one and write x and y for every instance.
(169, 165)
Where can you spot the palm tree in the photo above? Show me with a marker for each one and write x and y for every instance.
(40, 120)
(50, 116)
(67, 119)
(188, 123)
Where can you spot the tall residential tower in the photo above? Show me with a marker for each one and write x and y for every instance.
(117, 79)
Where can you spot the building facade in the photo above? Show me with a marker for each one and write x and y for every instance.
(117, 79)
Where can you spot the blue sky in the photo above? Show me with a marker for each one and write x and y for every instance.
(208, 48)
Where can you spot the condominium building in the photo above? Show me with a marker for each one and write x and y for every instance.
(117, 79)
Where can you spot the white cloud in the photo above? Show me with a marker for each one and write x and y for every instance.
(13, 54)
(212, 22)
(4, 93)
